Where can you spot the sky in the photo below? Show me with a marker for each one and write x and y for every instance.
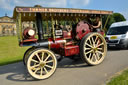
(120, 6)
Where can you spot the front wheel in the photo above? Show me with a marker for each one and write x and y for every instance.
(41, 63)
(93, 48)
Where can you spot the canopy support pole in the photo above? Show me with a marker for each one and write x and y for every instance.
(106, 22)
(53, 29)
(19, 26)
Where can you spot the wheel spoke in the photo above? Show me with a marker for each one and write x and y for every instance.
(47, 58)
(37, 56)
(96, 39)
(100, 44)
(45, 70)
(93, 41)
(97, 56)
(89, 52)
(100, 48)
(35, 61)
(90, 41)
(97, 43)
(90, 55)
(94, 58)
(49, 61)
(36, 70)
(33, 67)
(99, 52)
(87, 48)
(48, 66)
(42, 56)
(88, 45)
(41, 71)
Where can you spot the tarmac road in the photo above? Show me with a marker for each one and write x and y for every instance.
(69, 72)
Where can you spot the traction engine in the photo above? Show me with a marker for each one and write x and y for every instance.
(81, 41)
(48, 46)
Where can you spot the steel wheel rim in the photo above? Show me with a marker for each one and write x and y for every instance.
(27, 54)
(41, 64)
(95, 49)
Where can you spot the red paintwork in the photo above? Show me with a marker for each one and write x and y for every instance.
(27, 41)
(67, 35)
(69, 50)
(82, 29)
(30, 40)
(25, 34)
(69, 43)
(64, 48)
(59, 42)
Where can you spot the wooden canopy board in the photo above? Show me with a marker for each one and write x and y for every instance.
(22, 14)
(29, 13)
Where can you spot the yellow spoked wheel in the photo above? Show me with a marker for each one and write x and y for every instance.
(41, 63)
(26, 54)
(93, 48)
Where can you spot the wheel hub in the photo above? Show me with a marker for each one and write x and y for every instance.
(94, 49)
(42, 64)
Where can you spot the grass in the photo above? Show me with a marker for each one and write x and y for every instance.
(10, 52)
(121, 79)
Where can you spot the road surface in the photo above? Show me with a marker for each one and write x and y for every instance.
(69, 72)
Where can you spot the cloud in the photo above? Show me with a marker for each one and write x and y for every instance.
(55, 3)
(79, 3)
(5, 4)
(10, 4)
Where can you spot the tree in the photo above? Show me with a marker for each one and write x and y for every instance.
(118, 17)
(115, 17)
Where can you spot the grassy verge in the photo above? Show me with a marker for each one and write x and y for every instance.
(121, 79)
(10, 52)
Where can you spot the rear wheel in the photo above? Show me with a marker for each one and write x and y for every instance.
(41, 63)
(26, 54)
(93, 48)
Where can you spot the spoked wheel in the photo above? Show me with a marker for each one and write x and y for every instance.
(26, 54)
(93, 48)
(41, 63)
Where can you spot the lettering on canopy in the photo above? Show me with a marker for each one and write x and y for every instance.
(61, 10)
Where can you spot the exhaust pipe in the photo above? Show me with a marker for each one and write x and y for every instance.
(39, 26)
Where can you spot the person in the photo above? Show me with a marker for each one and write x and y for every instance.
(96, 24)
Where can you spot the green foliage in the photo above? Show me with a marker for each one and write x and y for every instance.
(118, 17)
(121, 79)
(115, 17)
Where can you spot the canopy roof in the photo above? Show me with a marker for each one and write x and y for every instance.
(29, 13)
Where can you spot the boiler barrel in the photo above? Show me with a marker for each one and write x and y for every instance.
(52, 44)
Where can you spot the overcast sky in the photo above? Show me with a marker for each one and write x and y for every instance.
(121, 6)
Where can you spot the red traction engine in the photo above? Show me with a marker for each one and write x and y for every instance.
(89, 46)
(51, 43)
(81, 41)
